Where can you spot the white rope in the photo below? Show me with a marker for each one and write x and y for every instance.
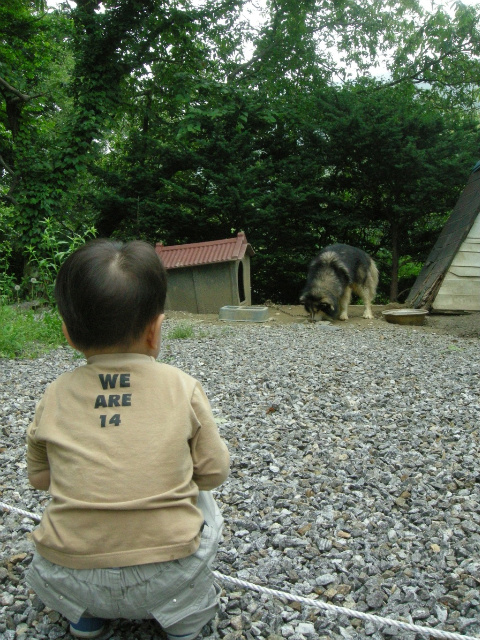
(317, 604)
(27, 514)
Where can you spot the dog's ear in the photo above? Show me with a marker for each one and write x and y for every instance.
(327, 307)
(330, 306)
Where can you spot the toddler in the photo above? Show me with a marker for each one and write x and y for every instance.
(129, 450)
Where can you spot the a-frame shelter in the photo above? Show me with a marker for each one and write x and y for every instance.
(450, 277)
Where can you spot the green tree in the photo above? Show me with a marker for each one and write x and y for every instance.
(33, 69)
(442, 51)
(29, 46)
(146, 119)
(396, 165)
(70, 76)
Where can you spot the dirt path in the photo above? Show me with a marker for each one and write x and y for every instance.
(465, 325)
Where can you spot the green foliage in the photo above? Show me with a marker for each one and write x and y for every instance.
(45, 259)
(33, 106)
(408, 270)
(25, 334)
(145, 120)
(9, 288)
(181, 331)
(396, 162)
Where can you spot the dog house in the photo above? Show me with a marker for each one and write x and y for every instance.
(205, 276)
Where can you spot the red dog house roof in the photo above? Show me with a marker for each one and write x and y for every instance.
(198, 253)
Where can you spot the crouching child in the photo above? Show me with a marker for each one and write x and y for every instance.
(129, 450)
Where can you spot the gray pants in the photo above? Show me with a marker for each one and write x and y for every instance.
(180, 595)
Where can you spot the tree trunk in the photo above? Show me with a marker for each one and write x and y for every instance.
(394, 231)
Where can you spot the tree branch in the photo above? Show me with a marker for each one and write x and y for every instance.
(23, 96)
(10, 199)
(7, 168)
(417, 75)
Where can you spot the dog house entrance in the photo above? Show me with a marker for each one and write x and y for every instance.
(241, 285)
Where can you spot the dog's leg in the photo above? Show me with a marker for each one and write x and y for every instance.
(369, 291)
(367, 301)
(344, 302)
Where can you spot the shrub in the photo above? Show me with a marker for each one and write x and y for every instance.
(26, 334)
(47, 256)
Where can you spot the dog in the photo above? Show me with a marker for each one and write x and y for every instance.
(333, 275)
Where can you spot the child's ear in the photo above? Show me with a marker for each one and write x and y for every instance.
(153, 332)
(67, 336)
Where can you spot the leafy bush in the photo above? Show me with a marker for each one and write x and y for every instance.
(9, 289)
(26, 334)
(47, 256)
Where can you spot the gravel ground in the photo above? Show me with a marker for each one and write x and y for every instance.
(355, 479)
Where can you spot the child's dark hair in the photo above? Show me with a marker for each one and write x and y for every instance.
(107, 292)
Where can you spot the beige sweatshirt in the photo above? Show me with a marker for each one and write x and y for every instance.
(129, 443)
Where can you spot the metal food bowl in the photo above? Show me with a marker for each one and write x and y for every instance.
(243, 314)
(405, 316)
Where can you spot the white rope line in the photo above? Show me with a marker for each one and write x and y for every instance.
(33, 516)
(317, 604)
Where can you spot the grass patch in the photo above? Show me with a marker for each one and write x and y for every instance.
(29, 334)
(182, 331)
